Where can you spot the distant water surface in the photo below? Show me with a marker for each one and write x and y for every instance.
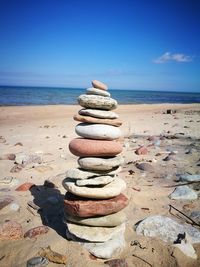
(22, 96)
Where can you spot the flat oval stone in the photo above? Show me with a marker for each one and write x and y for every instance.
(114, 122)
(37, 262)
(98, 131)
(101, 180)
(82, 174)
(97, 102)
(92, 163)
(110, 220)
(108, 191)
(82, 207)
(82, 147)
(99, 85)
(101, 114)
(95, 91)
(94, 234)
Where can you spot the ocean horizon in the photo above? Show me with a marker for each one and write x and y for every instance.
(30, 95)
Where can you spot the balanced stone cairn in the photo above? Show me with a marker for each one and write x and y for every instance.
(94, 201)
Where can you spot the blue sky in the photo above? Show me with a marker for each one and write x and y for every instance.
(143, 44)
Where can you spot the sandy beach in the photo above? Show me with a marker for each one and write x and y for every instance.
(46, 131)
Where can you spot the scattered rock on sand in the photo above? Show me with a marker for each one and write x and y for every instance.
(18, 144)
(25, 159)
(116, 263)
(25, 186)
(189, 178)
(141, 150)
(37, 262)
(195, 215)
(144, 166)
(10, 230)
(53, 256)
(183, 192)
(9, 156)
(5, 200)
(39, 230)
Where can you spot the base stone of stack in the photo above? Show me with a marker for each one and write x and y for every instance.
(97, 113)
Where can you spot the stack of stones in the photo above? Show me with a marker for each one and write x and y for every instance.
(94, 201)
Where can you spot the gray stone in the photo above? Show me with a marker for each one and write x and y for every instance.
(183, 192)
(103, 192)
(189, 177)
(95, 91)
(98, 131)
(101, 180)
(97, 102)
(96, 113)
(100, 164)
(166, 229)
(144, 166)
(37, 262)
(195, 215)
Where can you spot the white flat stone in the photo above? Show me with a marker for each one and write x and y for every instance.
(95, 91)
(110, 220)
(98, 131)
(82, 174)
(94, 234)
(101, 164)
(97, 102)
(96, 113)
(108, 191)
(101, 180)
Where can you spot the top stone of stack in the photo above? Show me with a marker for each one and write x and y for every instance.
(99, 85)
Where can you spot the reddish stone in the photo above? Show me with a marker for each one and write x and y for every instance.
(39, 230)
(24, 187)
(83, 207)
(10, 230)
(141, 150)
(99, 85)
(83, 147)
(114, 122)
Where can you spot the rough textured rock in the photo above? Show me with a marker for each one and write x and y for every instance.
(141, 150)
(88, 119)
(37, 262)
(10, 230)
(5, 200)
(53, 256)
(166, 229)
(110, 220)
(94, 234)
(81, 207)
(144, 166)
(189, 177)
(83, 147)
(101, 180)
(101, 114)
(183, 192)
(107, 191)
(97, 102)
(39, 230)
(100, 164)
(99, 85)
(96, 91)
(25, 186)
(195, 215)
(98, 131)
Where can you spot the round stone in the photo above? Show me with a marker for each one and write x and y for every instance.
(101, 180)
(83, 147)
(99, 85)
(88, 119)
(97, 102)
(98, 131)
(101, 114)
(108, 191)
(101, 164)
(95, 91)
(82, 207)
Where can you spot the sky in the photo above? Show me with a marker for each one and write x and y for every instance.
(128, 44)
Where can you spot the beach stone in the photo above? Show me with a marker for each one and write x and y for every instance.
(82, 174)
(39, 230)
(166, 229)
(189, 178)
(195, 215)
(10, 230)
(101, 114)
(53, 256)
(116, 263)
(98, 131)
(37, 262)
(186, 247)
(110, 190)
(94, 234)
(25, 159)
(110, 220)
(101, 180)
(141, 150)
(80, 207)
(5, 200)
(183, 192)
(144, 166)
(99, 85)
(92, 163)
(88, 119)
(83, 147)
(9, 156)
(97, 102)
(25, 186)
(96, 91)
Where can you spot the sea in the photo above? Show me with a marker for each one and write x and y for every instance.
(23, 96)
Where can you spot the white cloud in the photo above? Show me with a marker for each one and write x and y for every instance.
(166, 57)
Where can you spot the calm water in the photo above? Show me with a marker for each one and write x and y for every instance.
(21, 96)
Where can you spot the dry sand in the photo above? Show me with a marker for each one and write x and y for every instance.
(47, 130)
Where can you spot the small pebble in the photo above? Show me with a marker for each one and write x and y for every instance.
(37, 262)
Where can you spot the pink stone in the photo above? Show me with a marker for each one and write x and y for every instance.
(83, 147)
(99, 85)
(83, 207)
(141, 150)
(24, 186)
(10, 230)
(39, 230)
(114, 122)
